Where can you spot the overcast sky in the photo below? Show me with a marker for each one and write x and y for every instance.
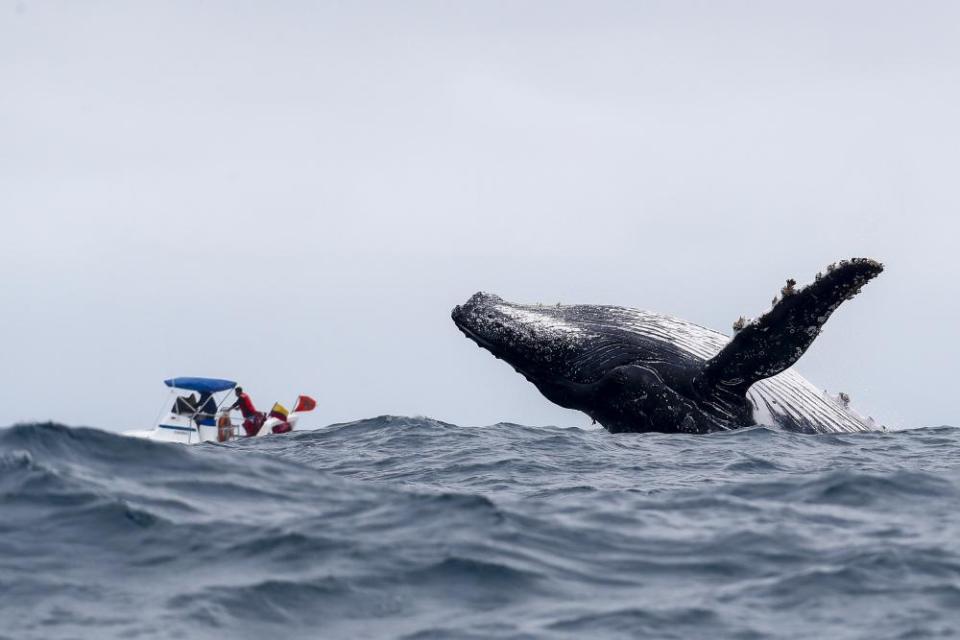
(295, 195)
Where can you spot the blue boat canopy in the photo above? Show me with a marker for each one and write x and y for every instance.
(208, 385)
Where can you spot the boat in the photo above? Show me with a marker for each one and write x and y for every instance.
(188, 419)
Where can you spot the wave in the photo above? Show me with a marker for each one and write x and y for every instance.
(412, 527)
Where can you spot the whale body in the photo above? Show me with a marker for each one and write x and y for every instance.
(637, 371)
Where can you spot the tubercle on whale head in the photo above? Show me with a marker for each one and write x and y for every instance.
(461, 313)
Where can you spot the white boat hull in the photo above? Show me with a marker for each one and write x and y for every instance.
(186, 434)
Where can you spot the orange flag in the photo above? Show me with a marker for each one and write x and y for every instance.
(305, 403)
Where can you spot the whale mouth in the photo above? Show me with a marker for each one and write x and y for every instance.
(483, 343)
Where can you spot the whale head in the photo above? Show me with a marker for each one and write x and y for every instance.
(569, 352)
(560, 349)
(535, 340)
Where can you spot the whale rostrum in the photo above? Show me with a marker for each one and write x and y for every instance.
(633, 370)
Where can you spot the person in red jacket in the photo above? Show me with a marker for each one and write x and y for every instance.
(252, 419)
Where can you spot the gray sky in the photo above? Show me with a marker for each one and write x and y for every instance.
(296, 194)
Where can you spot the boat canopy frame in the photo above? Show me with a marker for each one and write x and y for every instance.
(200, 385)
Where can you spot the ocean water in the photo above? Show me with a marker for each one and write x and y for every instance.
(399, 527)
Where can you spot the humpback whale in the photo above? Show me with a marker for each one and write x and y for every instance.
(637, 371)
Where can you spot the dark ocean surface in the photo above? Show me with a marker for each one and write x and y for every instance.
(411, 528)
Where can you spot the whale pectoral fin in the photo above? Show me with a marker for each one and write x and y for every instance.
(776, 340)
